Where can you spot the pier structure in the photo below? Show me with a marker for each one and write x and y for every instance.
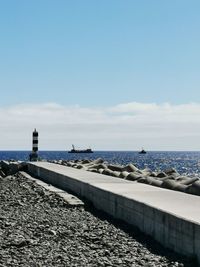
(170, 217)
(34, 154)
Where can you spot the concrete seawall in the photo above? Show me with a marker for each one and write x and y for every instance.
(172, 218)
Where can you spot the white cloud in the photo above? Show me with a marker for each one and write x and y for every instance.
(127, 126)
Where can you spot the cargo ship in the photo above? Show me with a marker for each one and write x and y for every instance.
(73, 150)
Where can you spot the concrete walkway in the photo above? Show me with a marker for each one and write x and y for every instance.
(170, 217)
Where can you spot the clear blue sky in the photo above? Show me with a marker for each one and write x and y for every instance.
(99, 53)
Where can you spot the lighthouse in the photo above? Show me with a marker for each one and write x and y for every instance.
(35, 141)
(34, 155)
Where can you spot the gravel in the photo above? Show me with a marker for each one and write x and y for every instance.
(38, 229)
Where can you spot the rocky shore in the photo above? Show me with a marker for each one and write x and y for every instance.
(38, 229)
(169, 178)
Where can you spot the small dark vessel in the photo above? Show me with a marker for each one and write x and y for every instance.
(142, 152)
(73, 150)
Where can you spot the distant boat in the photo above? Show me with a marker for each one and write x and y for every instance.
(73, 150)
(142, 152)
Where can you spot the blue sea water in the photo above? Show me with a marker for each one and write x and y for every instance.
(184, 162)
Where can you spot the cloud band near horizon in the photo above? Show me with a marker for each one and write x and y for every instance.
(127, 126)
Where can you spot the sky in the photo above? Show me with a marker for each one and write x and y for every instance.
(113, 75)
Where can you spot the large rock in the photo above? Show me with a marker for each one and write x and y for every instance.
(171, 171)
(86, 161)
(145, 172)
(142, 180)
(115, 167)
(153, 181)
(188, 180)
(133, 176)
(10, 168)
(98, 166)
(150, 180)
(171, 177)
(80, 166)
(161, 175)
(5, 166)
(107, 172)
(100, 170)
(124, 174)
(194, 188)
(173, 185)
(116, 174)
(97, 161)
(130, 168)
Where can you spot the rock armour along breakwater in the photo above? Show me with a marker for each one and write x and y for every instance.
(169, 178)
(38, 229)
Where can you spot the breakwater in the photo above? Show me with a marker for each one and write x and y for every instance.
(172, 218)
(168, 178)
(38, 228)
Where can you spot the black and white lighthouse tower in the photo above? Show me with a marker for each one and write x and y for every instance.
(34, 155)
(35, 141)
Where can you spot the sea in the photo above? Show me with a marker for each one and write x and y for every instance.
(185, 162)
